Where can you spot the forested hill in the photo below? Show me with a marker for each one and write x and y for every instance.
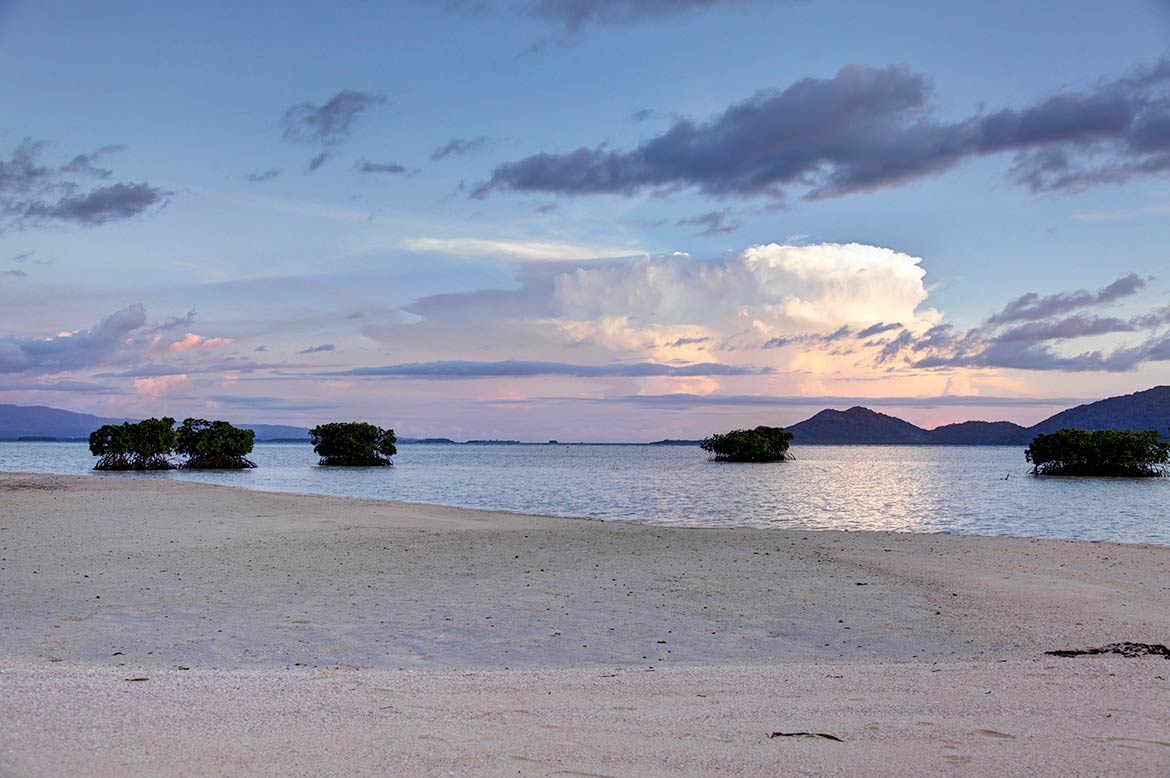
(27, 421)
(18, 421)
(1139, 411)
(1148, 410)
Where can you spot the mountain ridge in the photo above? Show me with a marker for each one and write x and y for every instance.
(42, 421)
(1148, 409)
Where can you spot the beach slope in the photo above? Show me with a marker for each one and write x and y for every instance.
(288, 634)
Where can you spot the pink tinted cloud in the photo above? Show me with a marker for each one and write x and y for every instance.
(157, 386)
(189, 342)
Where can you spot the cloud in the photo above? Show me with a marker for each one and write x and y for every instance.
(71, 350)
(72, 387)
(646, 308)
(688, 342)
(30, 258)
(318, 349)
(878, 329)
(767, 291)
(527, 250)
(99, 206)
(159, 386)
(523, 368)
(86, 163)
(365, 166)
(32, 192)
(14, 273)
(190, 342)
(458, 147)
(271, 403)
(867, 129)
(175, 323)
(1031, 306)
(1066, 328)
(685, 401)
(257, 176)
(1032, 331)
(573, 15)
(712, 222)
(316, 162)
(331, 122)
(123, 340)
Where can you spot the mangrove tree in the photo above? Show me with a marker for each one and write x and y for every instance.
(353, 444)
(1122, 453)
(142, 445)
(763, 444)
(214, 445)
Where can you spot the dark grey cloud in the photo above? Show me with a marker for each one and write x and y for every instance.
(712, 222)
(1031, 356)
(14, 273)
(1031, 306)
(367, 167)
(573, 15)
(1065, 329)
(87, 163)
(316, 162)
(318, 349)
(1025, 335)
(260, 349)
(175, 323)
(330, 122)
(687, 342)
(521, 368)
(878, 329)
(69, 352)
(258, 176)
(32, 192)
(459, 146)
(812, 339)
(116, 202)
(867, 129)
(31, 258)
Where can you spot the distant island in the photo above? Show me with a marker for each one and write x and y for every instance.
(1145, 410)
(1148, 410)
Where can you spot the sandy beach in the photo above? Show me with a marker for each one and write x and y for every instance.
(155, 627)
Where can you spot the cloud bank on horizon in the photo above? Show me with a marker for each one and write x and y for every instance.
(485, 244)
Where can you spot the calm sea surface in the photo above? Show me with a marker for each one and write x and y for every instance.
(980, 490)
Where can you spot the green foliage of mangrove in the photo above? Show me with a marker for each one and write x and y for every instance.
(763, 444)
(1119, 453)
(353, 444)
(214, 445)
(142, 445)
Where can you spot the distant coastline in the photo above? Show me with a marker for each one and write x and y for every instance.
(1149, 409)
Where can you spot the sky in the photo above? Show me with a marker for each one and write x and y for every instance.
(588, 220)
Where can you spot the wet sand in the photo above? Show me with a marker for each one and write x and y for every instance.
(349, 637)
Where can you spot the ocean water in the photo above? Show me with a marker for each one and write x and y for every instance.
(954, 489)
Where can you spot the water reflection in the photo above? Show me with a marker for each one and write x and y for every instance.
(983, 490)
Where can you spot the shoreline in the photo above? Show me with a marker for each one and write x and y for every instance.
(567, 517)
(545, 645)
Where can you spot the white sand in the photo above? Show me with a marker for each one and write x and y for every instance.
(350, 637)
